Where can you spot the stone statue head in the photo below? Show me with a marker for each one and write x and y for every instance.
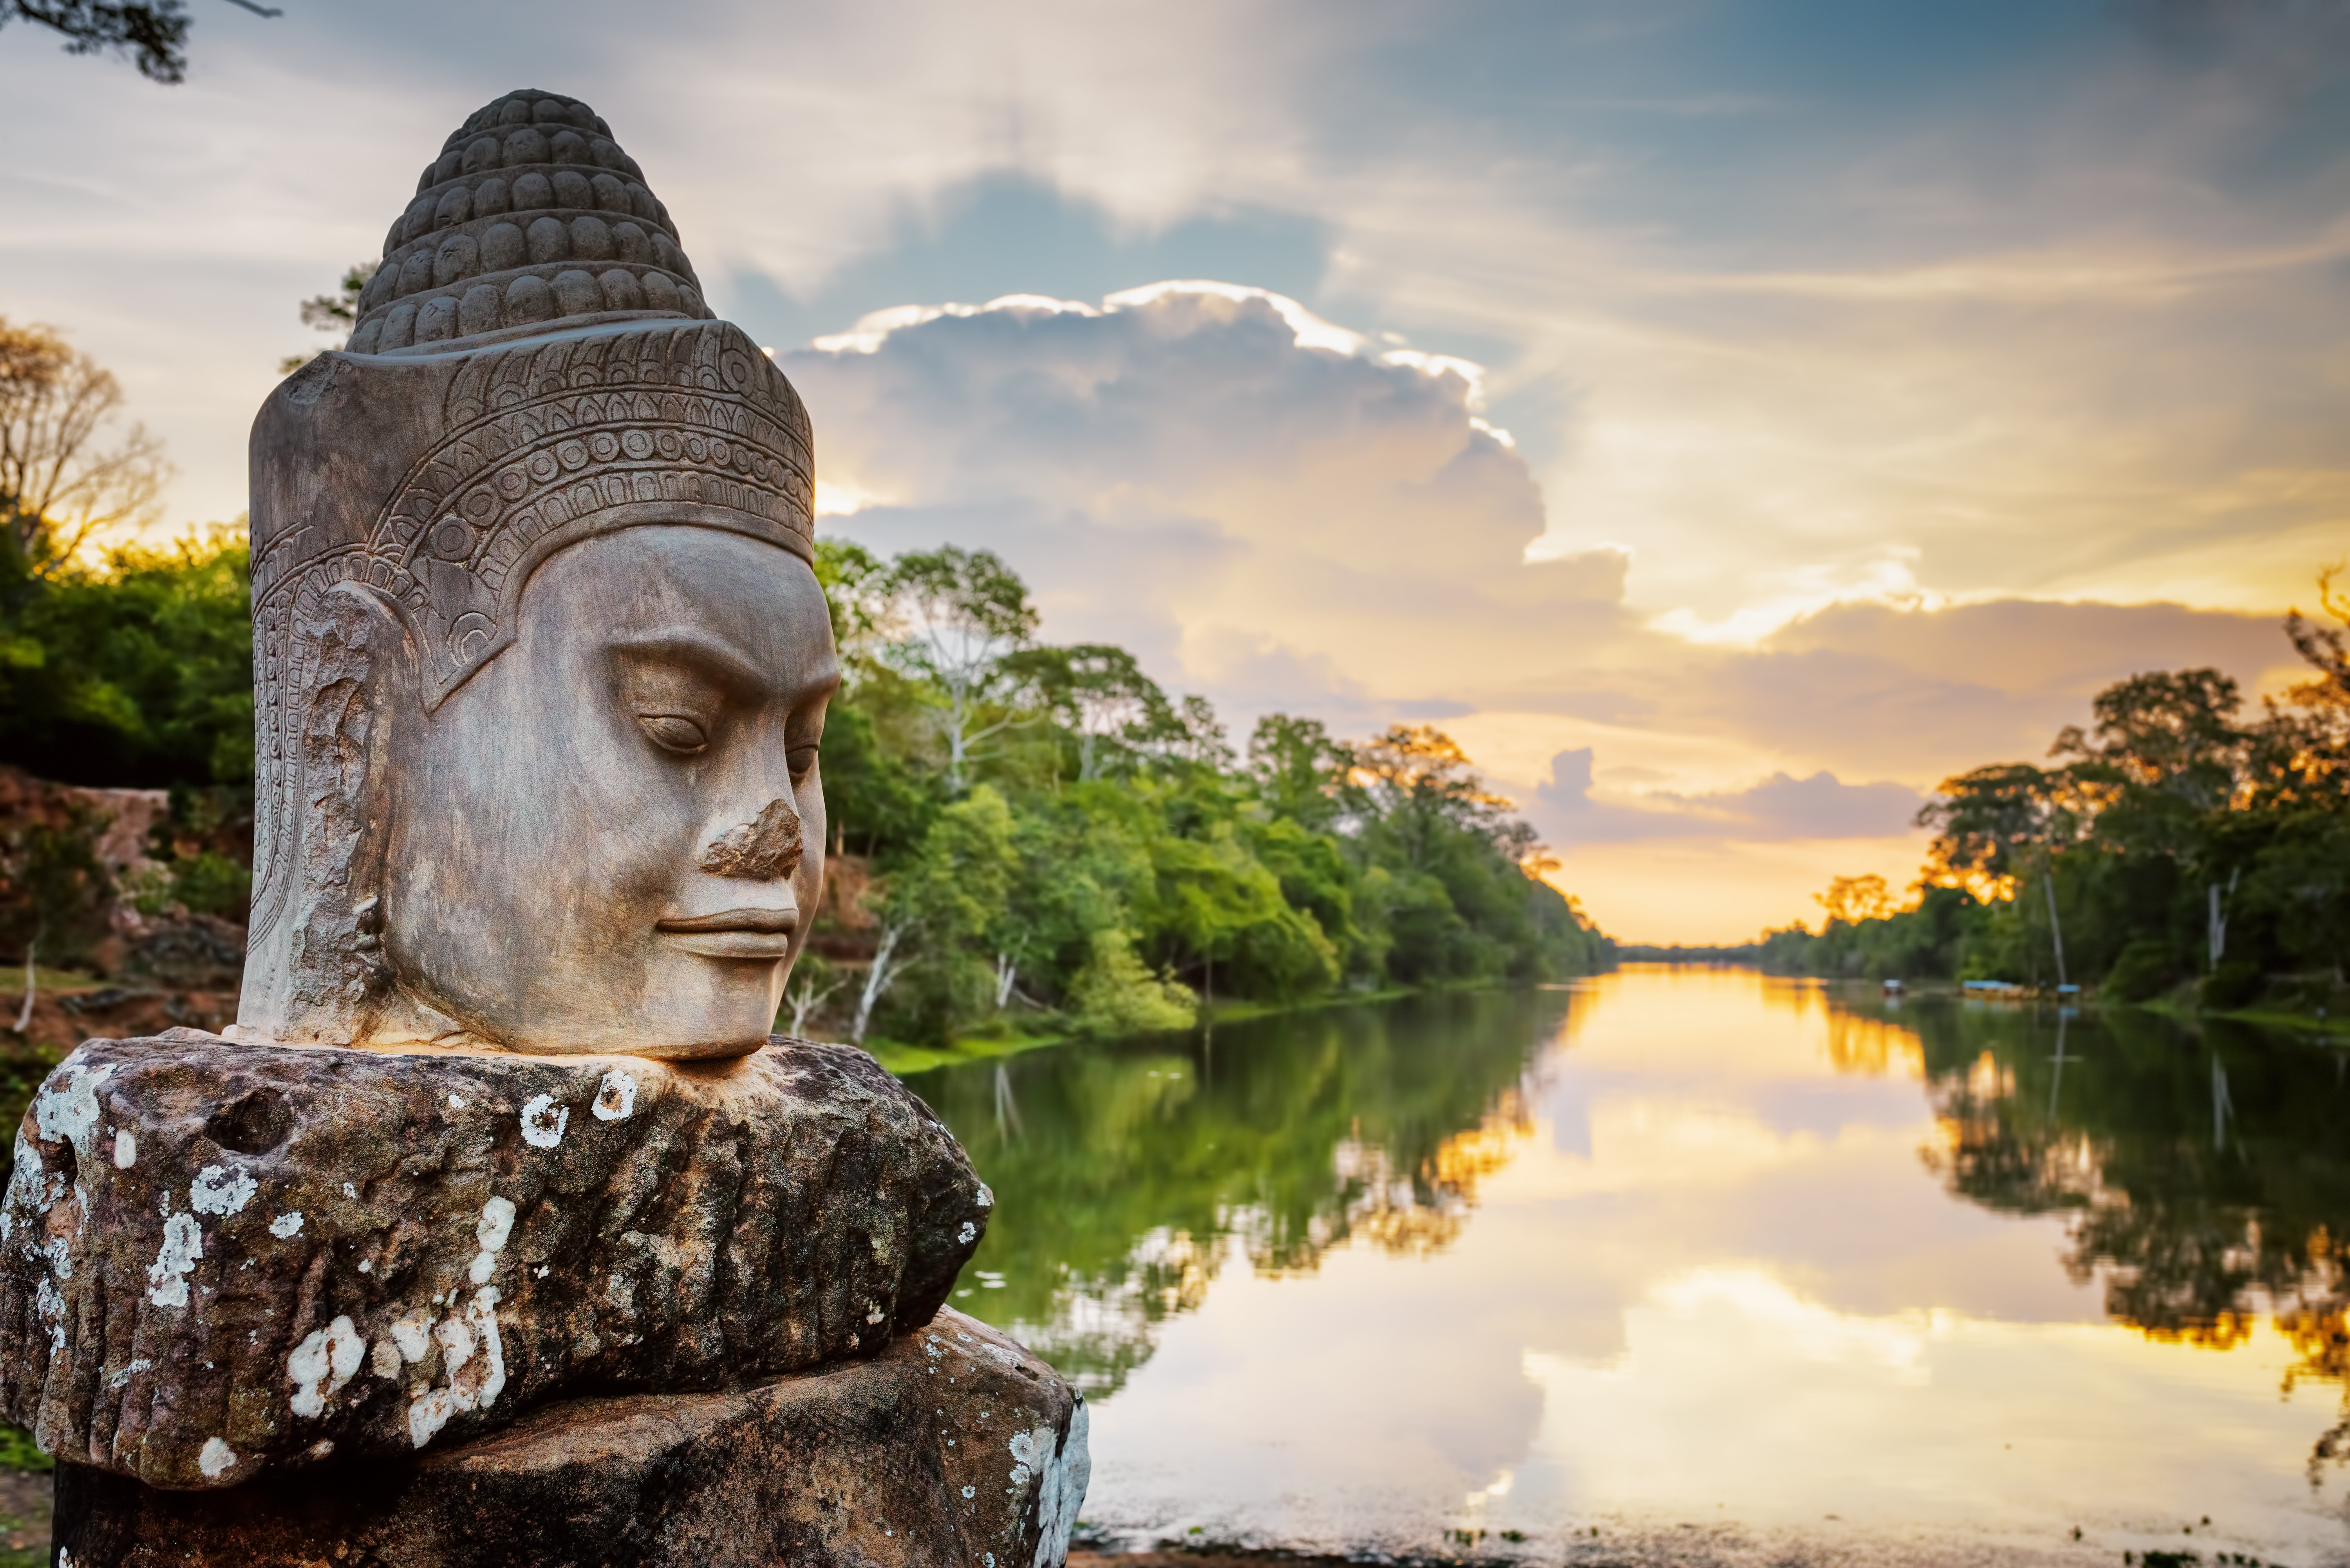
(540, 658)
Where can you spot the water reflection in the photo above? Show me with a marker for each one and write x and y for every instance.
(1687, 1252)
(1122, 1172)
(2201, 1174)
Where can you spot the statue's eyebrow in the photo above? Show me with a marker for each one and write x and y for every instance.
(717, 658)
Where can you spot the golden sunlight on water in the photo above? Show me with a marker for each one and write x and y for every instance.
(1724, 1266)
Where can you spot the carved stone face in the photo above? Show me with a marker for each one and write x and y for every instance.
(611, 837)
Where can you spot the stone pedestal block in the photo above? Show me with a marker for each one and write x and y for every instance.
(955, 1447)
(220, 1261)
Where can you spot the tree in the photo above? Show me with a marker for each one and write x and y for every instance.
(936, 910)
(153, 34)
(1101, 693)
(1852, 900)
(1417, 784)
(2300, 749)
(1299, 769)
(963, 614)
(2172, 732)
(1992, 824)
(62, 484)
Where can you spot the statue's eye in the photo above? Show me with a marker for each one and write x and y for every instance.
(673, 732)
(802, 759)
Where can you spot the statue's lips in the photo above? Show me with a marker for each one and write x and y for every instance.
(733, 933)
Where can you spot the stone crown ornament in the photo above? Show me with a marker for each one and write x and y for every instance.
(531, 214)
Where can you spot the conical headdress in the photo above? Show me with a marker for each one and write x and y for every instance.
(532, 215)
(532, 365)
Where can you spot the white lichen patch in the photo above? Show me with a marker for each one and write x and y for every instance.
(491, 1231)
(66, 1106)
(23, 1186)
(220, 1189)
(473, 1359)
(126, 1150)
(286, 1225)
(1062, 1472)
(128, 1372)
(873, 1313)
(322, 1363)
(543, 1122)
(52, 1307)
(167, 1276)
(615, 1097)
(986, 1196)
(216, 1458)
(412, 1332)
(385, 1360)
(968, 1234)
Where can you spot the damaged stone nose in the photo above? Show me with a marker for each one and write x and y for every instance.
(762, 850)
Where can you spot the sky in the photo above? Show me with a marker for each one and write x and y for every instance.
(1726, 420)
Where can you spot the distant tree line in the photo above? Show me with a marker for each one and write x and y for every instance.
(2178, 839)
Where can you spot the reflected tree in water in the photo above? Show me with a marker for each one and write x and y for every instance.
(2201, 1171)
(1127, 1177)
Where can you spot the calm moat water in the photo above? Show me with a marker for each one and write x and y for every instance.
(1688, 1265)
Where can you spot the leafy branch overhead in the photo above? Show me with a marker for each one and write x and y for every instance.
(151, 34)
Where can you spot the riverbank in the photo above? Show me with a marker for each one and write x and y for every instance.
(2324, 1020)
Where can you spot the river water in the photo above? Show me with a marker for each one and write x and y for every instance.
(1686, 1265)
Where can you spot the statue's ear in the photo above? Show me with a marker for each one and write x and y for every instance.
(357, 691)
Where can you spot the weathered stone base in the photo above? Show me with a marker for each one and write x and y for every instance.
(218, 1261)
(955, 1447)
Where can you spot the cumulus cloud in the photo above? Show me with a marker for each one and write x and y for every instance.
(1216, 477)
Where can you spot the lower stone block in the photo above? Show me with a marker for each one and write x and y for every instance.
(953, 1447)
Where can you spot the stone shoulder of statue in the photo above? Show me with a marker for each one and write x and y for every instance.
(541, 661)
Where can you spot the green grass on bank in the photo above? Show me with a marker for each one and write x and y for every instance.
(904, 1060)
(45, 980)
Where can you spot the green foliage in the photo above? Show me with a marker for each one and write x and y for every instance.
(209, 883)
(1114, 994)
(2143, 972)
(53, 890)
(138, 674)
(19, 1452)
(2231, 985)
(1052, 836)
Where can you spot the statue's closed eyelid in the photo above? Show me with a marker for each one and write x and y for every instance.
(675, 732)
